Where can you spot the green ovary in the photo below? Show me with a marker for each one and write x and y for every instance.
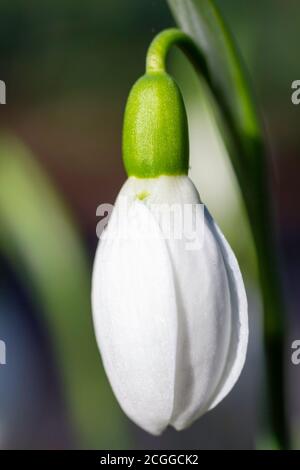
(155, 133)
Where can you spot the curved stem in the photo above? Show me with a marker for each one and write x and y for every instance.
(162, 43)
(156, 62)
(243, 138)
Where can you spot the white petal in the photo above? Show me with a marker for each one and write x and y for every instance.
(204, 324)
(239, 310)
(134, 309)
(215, 327)
(212, 306)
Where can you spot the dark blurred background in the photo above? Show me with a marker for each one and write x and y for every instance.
(68, 68)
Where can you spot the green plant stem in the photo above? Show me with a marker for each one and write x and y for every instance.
(261, 222)
(245, 145)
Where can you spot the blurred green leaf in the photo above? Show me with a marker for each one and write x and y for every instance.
(239, 122)
(39, 238)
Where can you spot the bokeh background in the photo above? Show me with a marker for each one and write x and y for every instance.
(68, 68)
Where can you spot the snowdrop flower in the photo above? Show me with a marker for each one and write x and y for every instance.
(170, 317)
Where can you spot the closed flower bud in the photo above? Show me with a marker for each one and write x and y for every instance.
(171, 322)
(169, 304)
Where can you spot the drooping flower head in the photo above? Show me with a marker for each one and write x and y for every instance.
(169, 304)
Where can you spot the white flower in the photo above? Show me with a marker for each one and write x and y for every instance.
(171, 322)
